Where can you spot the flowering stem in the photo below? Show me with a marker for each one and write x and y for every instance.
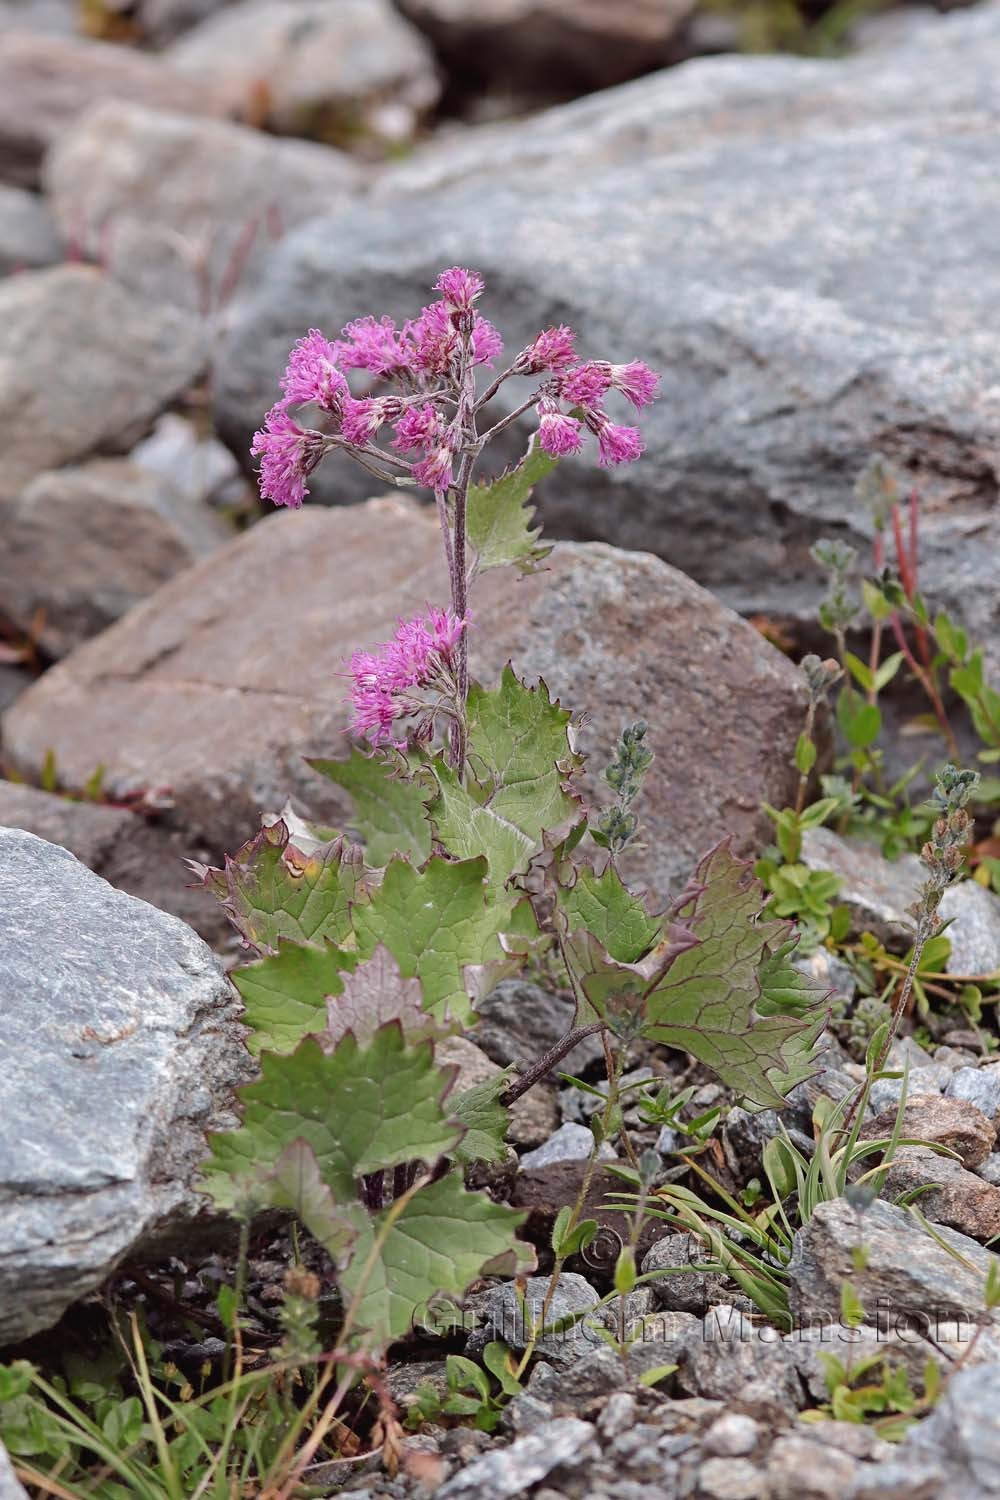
(511, 417)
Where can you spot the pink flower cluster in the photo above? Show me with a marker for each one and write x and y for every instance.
(388, 679)
(426, 357)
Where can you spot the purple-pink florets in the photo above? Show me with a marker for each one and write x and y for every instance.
(431, 358)
(388, 680)
(288, 454)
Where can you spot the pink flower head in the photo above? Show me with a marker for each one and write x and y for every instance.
(288, 454)
(362, 419)
(557, 433)
(459, 288)
(617, 445)
(487, 345)
(376, 345)
(636, 381)
(388, 679)
(312, 375)
(419, 428)
(552, 349)
(435, 340)
(587, 385)
(435, 470)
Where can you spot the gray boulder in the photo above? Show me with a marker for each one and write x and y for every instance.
(908, 1279)
(119, 1047)
(47, 81)
(84, 365)
(959, 1444)
(181, 208)
(800, 247)
(80, 546)
(353, 71)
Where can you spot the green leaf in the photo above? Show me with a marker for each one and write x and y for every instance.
(703, 995)
(441, 1240)
(372, 996)
(859, 671)
(520, 761)
(485, 1120)
(15, 1380)
(605, 906)
(499, 516)
(501, 1364)
(786, 990)
(286, 994)
(860, 722)
(463, 1373)
(656, 1374)
(708, 1003)
(361, 1109)
(852, 1312)
(805, 754)
(390, 813)
(887, 671)
(434, 922)
(625, 1275)
(270, 889)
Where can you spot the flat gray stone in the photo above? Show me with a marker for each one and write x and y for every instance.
(85, 365)
(47, 81)
(80, 546)
(355, 71)
(960, 1437)
(502, 1316)
(979, 1086)
(119, 1047)
(908, 1275)
(505, 1472)
(571, 1142)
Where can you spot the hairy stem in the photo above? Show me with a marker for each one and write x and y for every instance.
(925, 930)
(547, 1061)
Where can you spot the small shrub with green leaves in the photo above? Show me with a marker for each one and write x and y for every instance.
(472, 852)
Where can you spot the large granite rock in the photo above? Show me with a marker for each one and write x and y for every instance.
(182, 208)
(801, 247)
(346, 72)
(79, 546)
(119, 1047)
(47, 81)
(83, 364)
(132, 851)
(232, 672)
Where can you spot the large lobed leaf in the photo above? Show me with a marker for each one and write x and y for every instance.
(499, 517)
(434, 922)
(361, 1109)
(520, 763)
(286, 994)
(270, 889)
(390, 816)
(442, 1239)
(702, 993)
